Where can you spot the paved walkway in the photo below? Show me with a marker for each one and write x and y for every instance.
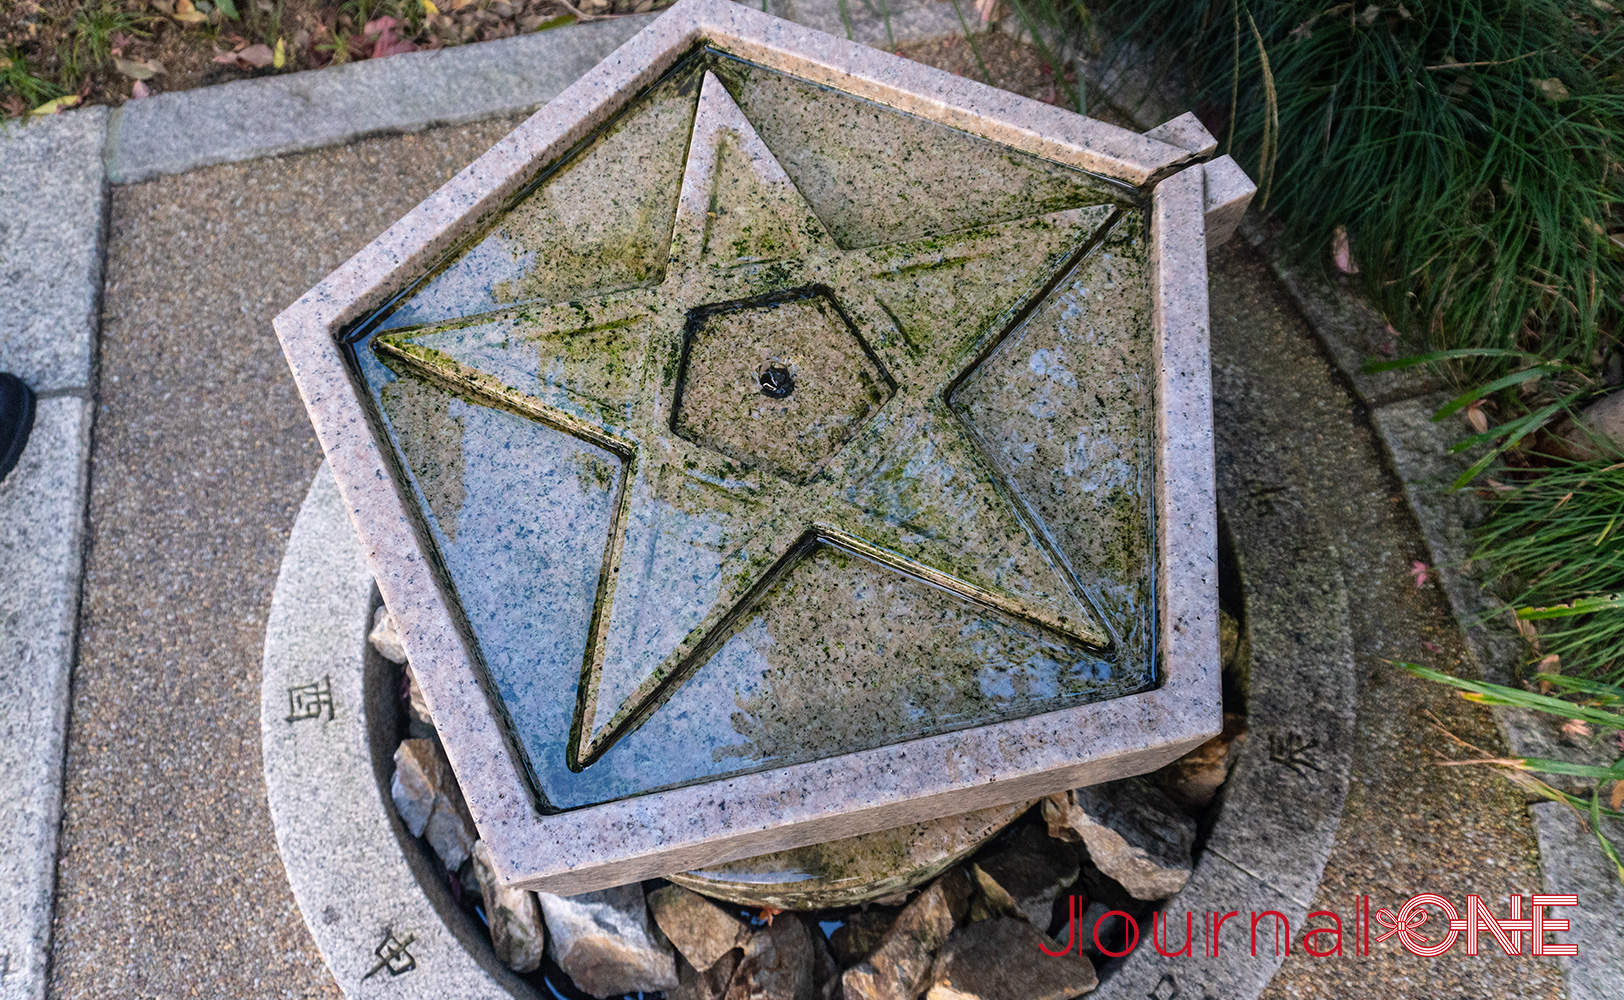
(1289, 434)
(169, 883)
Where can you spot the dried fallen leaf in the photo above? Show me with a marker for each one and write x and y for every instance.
(163, 6)
(1575, 729)
(258, 55)
(185, 13)
(387, 44)
(1617, 800)
(279, 58)
(51, 107)
(1342, 251)
(139, 90)
(1551, 663)
(1553, 89)
(1477, 418)
(1420, 571)
(136, 69)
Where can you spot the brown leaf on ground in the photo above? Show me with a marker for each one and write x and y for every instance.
(1617, 801)
(137, 69)
(185, 13)
(1574, 730)
(1477, 418)
(258, 56)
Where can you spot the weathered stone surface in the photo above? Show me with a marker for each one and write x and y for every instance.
(1024, 876)
(514, 918)
(862, 932)
(1194, 779)
(860, 869)
(1135, 834)
(417, 706)
(999, 959)
(899, 968)
(1149, 292)
(785, 960)
(428, 800)
(384, 638)
(702, 931)
(708, 985)
(604, 942)
(1597, 432)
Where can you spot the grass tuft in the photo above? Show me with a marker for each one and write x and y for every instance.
(1474, 151)
(1557, 541)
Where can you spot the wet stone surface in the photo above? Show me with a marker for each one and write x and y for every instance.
(805, 425)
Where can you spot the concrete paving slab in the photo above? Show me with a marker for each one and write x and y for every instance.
(169, 880)
(41, 506)
(52, 206)
(247, 119)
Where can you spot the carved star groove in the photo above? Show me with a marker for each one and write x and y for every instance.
(697, 536)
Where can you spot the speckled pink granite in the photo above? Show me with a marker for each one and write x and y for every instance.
(702, 824)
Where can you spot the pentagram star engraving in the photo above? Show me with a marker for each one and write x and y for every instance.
(772, 393)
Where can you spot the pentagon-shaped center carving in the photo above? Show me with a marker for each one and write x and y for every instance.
(781, 382)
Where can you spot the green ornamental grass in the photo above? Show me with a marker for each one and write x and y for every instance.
(1473, 152)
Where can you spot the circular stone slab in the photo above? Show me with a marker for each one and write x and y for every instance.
(854, 870)
(385, 922)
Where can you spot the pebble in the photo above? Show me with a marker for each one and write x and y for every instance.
(513, 916)
(998, 959)
(427, 797)
(604, 942)
(701, 931)
(384, 638)
(1134, 833)
(1194, 779)
(1024, 876)
(899, 967)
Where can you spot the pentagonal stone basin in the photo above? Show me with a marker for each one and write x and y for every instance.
(758, 439)
(782, 382)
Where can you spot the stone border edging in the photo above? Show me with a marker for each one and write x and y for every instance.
(248, 119)
(53, 212)
(270, 116)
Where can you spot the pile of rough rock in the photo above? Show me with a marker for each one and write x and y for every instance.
(972, 933)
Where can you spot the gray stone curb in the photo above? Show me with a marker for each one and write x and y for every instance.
(52, 211)
(41, 527)
(250, 119)
(53, 208)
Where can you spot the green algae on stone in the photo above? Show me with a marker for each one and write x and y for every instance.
(832, 383)
(670, 573)
(877, 175)
(601, 220)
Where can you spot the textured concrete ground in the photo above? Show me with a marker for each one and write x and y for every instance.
(1289, 434)
(169, 882)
